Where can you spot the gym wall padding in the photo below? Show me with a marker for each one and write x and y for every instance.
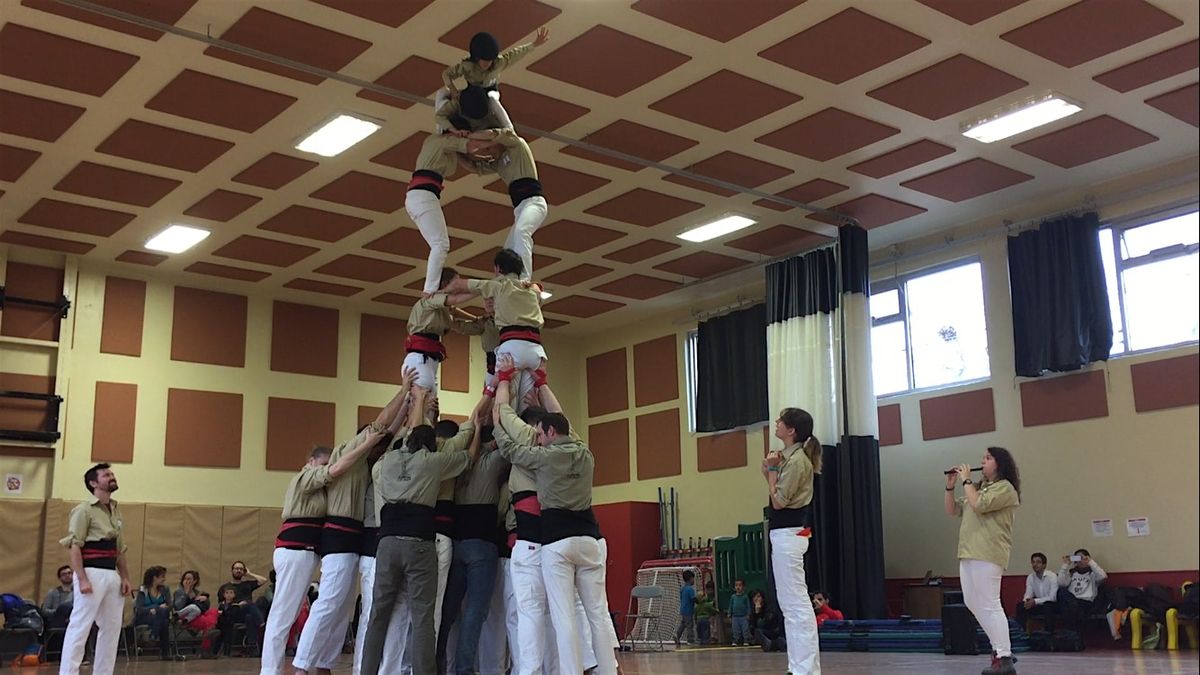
(21, 522)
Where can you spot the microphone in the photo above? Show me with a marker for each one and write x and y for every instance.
(977, 468)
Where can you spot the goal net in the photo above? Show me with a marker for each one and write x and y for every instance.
(665, 608)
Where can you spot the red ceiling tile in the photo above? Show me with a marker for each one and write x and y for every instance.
(1085, 142)
(483, 262)
(721, 20)
(806, 193)
(568, 235)
(366, 191)
(741, 101)
(539, 111)
(1090, 29)
(274, 171)
(511, 21)
(163, 11)
(873, 211)
(36, 241)
(364, 268)
(215, 270)
(211, 99)
(971, 11)
(322, 287)
(61, 62)
(577, 275)
(415, 75)
(901, 159)
(827, 134)
(14, 162)
(303, 221)
(34, 117)
(560, 185)
(1180, 104)
(266, 251)
(397, 299)
(861, 42)
(476, 215)
(643, 207)
(778, 240)
(76, 218)
(582, 306)
(408, 242)
(1153, 68)
(948, 87)
(403, 155)
(392, 14)
(732, 168)
(701, 264)
(638, 287)
(118, 185)
(172, 148)
(291, 39)
(633, 139)
(222, 205)
(967, 180)
(641, 251)
(142, 258)
(627, 62)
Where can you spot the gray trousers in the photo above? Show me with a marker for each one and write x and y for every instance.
(405, 574)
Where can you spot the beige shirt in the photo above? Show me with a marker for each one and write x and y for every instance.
(489, 339)
(794, 486)
(986, 530)
(516, 305)
(480, 484)
(305, 496)
(430, 315)
(345, 494)
(413, 477)
(473, 74)
(564, 471)
(515, 162)
(92, 521)
(451, 109)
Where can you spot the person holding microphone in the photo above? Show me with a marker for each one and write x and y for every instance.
(984, 543)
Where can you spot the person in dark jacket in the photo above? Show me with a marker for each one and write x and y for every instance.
(767, 624)
(152, 607)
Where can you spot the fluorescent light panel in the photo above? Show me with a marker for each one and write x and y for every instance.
(546, 295)
(717, 228)
(336, 135)
(177, 239)
(1021, 118)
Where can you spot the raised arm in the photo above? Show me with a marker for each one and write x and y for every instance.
(387, 417)
(347, 460)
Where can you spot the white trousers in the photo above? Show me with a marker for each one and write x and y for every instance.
(425, 209)
(525, 572)
(526, 356)
(324, 633)
(571, 565)
(427, 370)
(791, 587)
(528, 216)
(103, 607)
(444, 546)
(493, 639)
(293, 572)
(980, 581)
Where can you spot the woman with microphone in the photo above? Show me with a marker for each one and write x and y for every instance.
(984, 542)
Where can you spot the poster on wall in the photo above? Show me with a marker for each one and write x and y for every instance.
(1137, 527)
(14, 484)
(1102, 527)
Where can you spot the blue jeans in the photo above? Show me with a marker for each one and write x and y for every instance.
(472, 578)
(703, 629)
(741, 629)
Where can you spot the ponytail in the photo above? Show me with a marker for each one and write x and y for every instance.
(801, 425)
(812, 448)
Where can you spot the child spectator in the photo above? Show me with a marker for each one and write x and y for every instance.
(739, 613)
(824, 611)
(229, 613)
(706, 609)
(687, 609)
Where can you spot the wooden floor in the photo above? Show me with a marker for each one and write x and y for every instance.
(721, 661)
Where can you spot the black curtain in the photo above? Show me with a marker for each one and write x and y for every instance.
(1061, 318)
(802, 285)
(731, 365)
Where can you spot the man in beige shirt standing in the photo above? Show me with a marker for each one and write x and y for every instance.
(97, 552)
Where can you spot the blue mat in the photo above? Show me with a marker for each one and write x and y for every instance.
(894, 635)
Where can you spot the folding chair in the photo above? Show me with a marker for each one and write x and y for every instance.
(649, 612)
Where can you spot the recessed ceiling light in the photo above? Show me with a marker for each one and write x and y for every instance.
(176, 239)
(1020, 118)
(717, 228)
(336, 135)
(546, 295)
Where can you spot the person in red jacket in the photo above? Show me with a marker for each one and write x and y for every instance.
(824, 610)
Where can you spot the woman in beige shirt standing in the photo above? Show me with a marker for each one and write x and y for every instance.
(984, 543)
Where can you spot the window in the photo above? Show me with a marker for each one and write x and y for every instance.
(1152, 274)
(928, 329)
(691, 375)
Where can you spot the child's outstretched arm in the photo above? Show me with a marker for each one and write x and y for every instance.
(514, 54)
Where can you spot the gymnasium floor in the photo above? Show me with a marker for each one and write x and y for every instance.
(734, 661)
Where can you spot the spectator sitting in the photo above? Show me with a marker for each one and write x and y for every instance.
(56, 608)
(739, 613)
(687, 609)
(1041, 592)
(1081, 588)
(193, 605)
(250, 614)
(152, 607)
(769, 632)
(706, 609)
(825, 611)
